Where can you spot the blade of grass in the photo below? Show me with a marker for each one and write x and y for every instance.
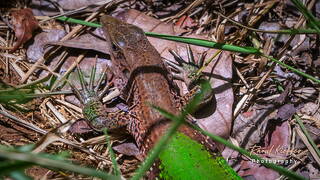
(206, 43)
(315, 23)
(305, 132)
(77, 21)
(19, 175)
(284, 31)
(292, 69)
(153, 155)
(9, 166)
(112, 155)
(46, 162)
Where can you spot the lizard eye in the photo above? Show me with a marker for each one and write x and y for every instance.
(114, 47)
(121, 43)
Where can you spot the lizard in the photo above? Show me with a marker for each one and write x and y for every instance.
(143, 79)
(142, 74)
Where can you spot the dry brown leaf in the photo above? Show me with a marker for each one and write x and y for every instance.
(186, 22)
(24, 24)
(37, 49)
(84, 42)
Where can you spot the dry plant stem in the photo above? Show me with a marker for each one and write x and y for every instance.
(243, 101)
(70, 69)
(307, 143)
(6, 48)
(69, 105)
(7, 55)
(7, 51)
(293, 167)
(253, 5)
(16, 68)
(101, 3)
(111, 95)
(241, 77)
(35, 66)
(62, 57)
(95, 140)
(22, 122)
(56, 112)
(191, 6)
(247, 27)
(300, 23)
(54, 136)
(256, 18)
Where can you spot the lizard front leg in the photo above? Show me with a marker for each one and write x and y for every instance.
(189, 73)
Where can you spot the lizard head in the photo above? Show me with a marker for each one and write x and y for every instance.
(121, 35)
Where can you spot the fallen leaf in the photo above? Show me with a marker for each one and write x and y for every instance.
(47, 8)
(186, 22)
(286, 112)
(86, 41)
(258, 171)
(80, 127)
(24, 24)
(129, 149)
(278, 140)
(37, 49)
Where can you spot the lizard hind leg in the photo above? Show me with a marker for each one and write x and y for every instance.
(90, 91)
(94, 111)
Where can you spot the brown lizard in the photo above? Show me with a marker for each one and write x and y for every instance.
(139, 66)
(140, 74)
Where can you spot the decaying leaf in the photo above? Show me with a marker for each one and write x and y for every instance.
(37, 49)
(24, 24)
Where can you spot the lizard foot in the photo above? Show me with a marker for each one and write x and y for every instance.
(93, 110)
(189, 72)
(186, 71)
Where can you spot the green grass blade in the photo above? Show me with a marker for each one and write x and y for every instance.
(112, 155)
(199, 42)
(292, 69)
(153, 155)
(304, 130)
(77, 21)
(206, 43)
(9, 166)
(212, 44)
(19, 175)
(314, 22)
(283, 31)
(50, 163)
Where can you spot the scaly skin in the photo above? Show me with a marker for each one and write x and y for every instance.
(143, 78)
